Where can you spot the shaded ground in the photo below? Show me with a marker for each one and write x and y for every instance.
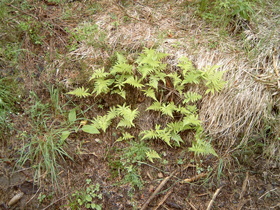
(63, 56)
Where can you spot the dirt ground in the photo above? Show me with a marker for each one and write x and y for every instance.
(240, 178)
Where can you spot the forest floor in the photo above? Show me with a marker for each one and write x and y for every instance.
(51, 47)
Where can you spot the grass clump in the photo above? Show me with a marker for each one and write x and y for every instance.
(8, 101)
(43, 145)
(224, 13)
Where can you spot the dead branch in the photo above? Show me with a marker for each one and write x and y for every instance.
(157, 190)
(213, 199)
(163, 199)
(195, 178)
(244, 185)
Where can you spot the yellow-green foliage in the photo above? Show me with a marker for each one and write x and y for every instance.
(150, 75)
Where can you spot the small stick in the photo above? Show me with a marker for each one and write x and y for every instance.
(163, 199)
(157, 190)
(195, 178)
(244, 185)
(267, 192)
(214, 197)
(55, 202)
(193, 207)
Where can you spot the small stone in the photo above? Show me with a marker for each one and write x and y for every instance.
(160, 175)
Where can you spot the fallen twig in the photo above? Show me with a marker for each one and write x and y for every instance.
(157, 190)
(267, 192)
(244, 185)
(163, 199)
(193, 207)
(55, 202)
(195, 178)
(213, 199)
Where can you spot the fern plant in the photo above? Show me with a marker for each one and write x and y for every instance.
(149, 76)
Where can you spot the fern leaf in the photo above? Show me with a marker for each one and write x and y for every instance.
(191, 97)
(191, 120)
(122, 66)
(125, 136)
(127, 114)
(182, 110)
(214, 81)
(133, 82)
(177, 138)
(186, 65)
(148, 134)
(150, 61)
(152, 154)
(102, 85)
(202, 147)
(80, 92)
(150, 93)
(175, 79)
(145, 70)
(156, 106)
(192, 77)
(165, 136)
(168, 109)
(102, 122)
(153, 81)
(99, 73)
(112, 113)
(122, 93)
(175, 126)
(192, 109)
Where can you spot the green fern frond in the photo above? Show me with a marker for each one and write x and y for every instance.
(183, 110)
(148, 134)
(186, 65)
(177, 138)
(80, 92)
(214, 81)
(121, 66)
(177, 81)
(192, 109)
(176, 127)
(155, 78)
(202, 147)
(152, 154)
(158, 133)
(191, 120)
(133, 82)
(102, 122)
(193, 77)
(168, 109)
(102, 85)
(122, 93)
(127, 114)
(191, 97)
(145, 70)
(165, 136)
(150, 93)
(125, 136)
(150, 61)
(112, 113)
(99, 73)
(156, 106)
(119, 81)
